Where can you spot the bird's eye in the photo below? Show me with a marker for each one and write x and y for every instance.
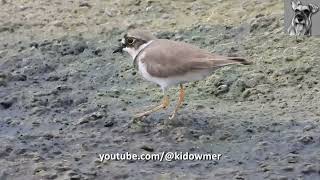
(130, 41)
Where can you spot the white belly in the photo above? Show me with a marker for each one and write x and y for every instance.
(174, 80)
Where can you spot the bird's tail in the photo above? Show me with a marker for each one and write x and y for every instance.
(234, 60)
(220, 61)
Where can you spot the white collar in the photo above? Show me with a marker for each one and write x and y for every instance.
(141, 48)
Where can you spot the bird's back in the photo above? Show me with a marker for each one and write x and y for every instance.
(165, 58)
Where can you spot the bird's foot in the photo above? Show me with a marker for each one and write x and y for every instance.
(163, 105)
(141, 115)
(173, 115)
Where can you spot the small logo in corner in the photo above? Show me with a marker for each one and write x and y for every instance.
(302, 18)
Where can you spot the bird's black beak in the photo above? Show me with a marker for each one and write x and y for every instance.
(118, 50)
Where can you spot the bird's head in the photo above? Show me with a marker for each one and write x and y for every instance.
(132, 41)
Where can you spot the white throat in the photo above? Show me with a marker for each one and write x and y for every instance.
(134, 52)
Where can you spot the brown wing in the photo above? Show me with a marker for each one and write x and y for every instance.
(165, 58)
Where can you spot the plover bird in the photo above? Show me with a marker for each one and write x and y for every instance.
(169, 63)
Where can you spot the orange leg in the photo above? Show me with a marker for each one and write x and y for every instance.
(180, 100)
(163, 105)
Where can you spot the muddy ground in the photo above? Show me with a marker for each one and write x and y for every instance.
(65, 98)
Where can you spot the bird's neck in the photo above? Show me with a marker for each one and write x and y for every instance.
(135, 52)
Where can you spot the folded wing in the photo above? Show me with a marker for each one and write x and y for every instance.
(164, 58)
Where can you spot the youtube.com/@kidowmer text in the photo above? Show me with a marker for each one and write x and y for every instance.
(162, 156)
